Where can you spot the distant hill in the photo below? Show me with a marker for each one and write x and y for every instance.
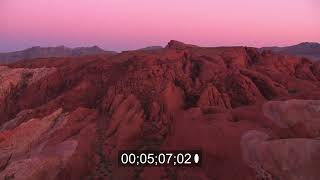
(44, 52)
(150, 48)
(310, 50)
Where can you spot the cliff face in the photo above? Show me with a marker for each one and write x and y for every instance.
(70, 116)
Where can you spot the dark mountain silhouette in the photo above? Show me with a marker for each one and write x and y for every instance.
(150, 48)
(310, 50)
(45, 52)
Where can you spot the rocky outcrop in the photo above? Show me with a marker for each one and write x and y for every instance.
(19, 141)
(47, 146)
(173, 98)
(242, 91)
(13, 83)
(288, 158)
(126, 120)
(302, 116)
(294, 159)
(315, 70)
(179, 45)
(303, 70)
(212, 97)
(268, 88)
(35, 168)
(41, 166)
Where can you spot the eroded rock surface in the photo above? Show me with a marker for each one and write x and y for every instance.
(67, 118)
(302, 116)
(295, 157)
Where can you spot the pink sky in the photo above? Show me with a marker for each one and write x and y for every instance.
(131, 24)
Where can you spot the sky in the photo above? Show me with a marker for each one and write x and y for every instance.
(132, 24)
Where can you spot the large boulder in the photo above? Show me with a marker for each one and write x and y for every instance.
(294, 159)
(302, 116)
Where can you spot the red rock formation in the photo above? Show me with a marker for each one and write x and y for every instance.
(212, 97)
(179, 45)
(315, 68)
(67, 118)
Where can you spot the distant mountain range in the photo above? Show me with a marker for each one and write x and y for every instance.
(310, 50)
(45, 52)
(150, 48)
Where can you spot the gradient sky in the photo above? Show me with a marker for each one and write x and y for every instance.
(131, 24)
